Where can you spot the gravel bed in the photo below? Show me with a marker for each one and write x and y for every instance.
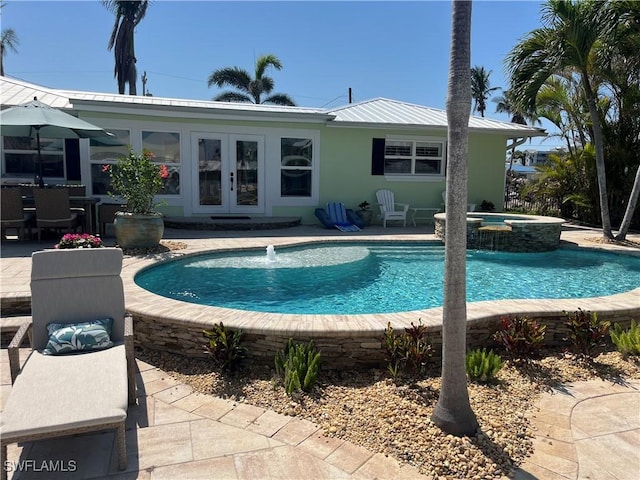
(370, 409)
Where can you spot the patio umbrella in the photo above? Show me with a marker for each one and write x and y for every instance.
(36, 117)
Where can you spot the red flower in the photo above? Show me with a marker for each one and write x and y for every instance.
(164, 172)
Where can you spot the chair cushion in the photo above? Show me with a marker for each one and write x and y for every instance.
(78, 337)
(56, 392)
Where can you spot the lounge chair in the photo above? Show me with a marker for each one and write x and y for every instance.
(72, 383)
(388, 211)
(335, 215)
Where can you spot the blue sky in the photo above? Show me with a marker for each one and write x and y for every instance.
(397, 50)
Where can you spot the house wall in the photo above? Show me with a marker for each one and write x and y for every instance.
(342, 163)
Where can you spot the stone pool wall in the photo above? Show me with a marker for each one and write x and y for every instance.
(521, 233)
(343, 350)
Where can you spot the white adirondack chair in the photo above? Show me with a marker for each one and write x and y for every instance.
(388, 209)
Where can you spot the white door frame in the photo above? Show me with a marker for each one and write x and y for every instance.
(228, 171)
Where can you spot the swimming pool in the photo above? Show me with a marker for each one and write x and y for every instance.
(382, 277)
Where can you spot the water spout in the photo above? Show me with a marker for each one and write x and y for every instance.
(271, 253)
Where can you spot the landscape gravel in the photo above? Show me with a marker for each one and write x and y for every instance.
(370, 409)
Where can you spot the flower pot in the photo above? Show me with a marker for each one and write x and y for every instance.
(138, 230)
(365, 216)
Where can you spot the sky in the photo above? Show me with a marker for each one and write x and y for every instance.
(397, 50)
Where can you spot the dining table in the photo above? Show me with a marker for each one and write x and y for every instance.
(87, 203)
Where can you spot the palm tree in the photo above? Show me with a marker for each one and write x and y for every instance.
(453, 412)
(569, 41)
(8, 41)
(128, 15)
(481, 88)
(250, 89)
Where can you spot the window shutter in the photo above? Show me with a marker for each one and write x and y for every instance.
(377, 157)
(72, 158)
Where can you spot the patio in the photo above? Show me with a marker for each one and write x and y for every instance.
(215, 438)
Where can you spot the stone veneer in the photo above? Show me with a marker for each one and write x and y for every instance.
(354, 350)
(524, 233)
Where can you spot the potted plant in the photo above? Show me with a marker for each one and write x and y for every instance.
(136, 180)
(364, 213)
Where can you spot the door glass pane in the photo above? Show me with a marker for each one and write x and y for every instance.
(209, 171)
(247, 172)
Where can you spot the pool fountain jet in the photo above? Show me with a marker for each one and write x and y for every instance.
(271, 253)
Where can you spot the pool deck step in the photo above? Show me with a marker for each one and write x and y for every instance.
(231, 222)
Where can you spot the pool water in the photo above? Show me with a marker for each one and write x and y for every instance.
(382, 278)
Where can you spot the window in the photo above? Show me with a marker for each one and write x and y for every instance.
(402, 157)
(21, 157)
(164, 145)
(166, 150)
(106, 153)
(296, 167)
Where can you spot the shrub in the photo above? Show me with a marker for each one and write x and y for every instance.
(586, 332)
(482, 366)
(408, 352)
(297, 366)
(224, 346)
(521, 337)
(627, 342)
(79, 240)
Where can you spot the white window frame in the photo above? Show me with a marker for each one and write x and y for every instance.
(309, 167)
(412, 176)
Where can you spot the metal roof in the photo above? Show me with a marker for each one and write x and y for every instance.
(385, 112)
(376, 113)
(15, 92)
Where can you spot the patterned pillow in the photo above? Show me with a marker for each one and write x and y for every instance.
(78, 337)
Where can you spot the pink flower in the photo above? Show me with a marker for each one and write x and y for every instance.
(105, 168)
(164, 172)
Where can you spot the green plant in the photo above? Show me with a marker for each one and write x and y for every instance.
(521, 337)
(364, 206)
(626, 341)
(586, 332)
(224, 346)
(408, 352)
(482, 366)
(137, 180)
(297, 366)
(79, 240)
(487, 206)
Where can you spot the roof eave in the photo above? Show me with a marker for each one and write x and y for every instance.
(246, 114)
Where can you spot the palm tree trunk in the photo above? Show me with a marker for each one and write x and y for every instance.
(631, 207)
(453, 413)
(600, 166)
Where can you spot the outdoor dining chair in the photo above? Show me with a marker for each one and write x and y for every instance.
(12, 214)
(53, 210)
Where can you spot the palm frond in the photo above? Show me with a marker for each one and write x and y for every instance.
(232, 97)
(265, 61)
(231, 76)
(280, 99)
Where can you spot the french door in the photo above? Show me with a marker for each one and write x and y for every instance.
(229, 177)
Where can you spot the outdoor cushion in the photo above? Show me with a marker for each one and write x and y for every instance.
(77, 337)
(79, 393)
